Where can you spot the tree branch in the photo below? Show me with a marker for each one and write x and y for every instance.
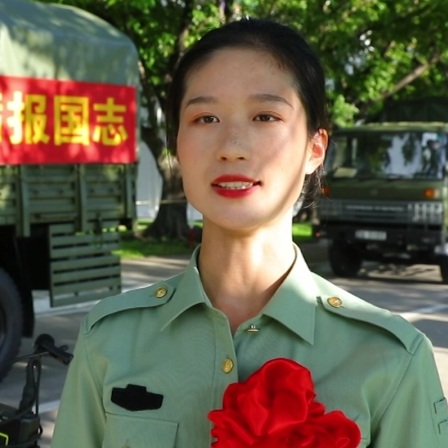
(410, 77)
(414, 74)
(184, 28)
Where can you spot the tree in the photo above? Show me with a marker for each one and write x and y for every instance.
(372, 50)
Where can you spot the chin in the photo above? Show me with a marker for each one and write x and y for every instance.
(236, 224)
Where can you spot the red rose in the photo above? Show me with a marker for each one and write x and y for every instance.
(275, 408)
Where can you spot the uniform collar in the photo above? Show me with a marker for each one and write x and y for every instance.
(295, 301)
(293, 304)
(189, 292)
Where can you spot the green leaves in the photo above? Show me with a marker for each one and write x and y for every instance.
(371, 49)
(343, 113)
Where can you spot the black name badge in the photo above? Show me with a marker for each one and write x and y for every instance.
(136, 398)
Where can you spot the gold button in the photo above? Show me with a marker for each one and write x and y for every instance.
(227, 365)
(252, 329)
(335, 302)
(161, 292)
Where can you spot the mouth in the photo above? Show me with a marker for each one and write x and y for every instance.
(234, 182)
(236, 185)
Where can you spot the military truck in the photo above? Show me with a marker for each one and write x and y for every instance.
(386, 196)
(68, 139)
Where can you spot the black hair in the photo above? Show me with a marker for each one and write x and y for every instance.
(280, 41)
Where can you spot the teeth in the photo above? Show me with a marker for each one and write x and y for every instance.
(235, 185)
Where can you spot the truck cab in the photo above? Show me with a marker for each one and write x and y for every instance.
(386, 196)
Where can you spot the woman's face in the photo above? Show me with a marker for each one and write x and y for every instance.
(242, 143)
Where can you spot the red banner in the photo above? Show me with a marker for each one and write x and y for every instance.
(45, 121)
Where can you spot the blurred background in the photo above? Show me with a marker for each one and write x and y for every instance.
(91, 200)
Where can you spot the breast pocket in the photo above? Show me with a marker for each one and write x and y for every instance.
(137, 432)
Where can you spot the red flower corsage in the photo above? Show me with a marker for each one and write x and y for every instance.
(275, 408)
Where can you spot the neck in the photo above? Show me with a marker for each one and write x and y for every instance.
(240, 273)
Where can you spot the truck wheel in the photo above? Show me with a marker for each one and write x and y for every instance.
(443, 264)
(11, 321)
(344, 260)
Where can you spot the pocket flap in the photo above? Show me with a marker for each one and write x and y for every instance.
(441, 407)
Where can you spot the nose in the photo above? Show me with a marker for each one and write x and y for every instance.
(233, 144)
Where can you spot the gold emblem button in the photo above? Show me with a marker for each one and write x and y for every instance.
(161, 292)
(227, 365)
(335, 302)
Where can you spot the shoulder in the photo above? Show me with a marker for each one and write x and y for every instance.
(153, 296)
(339, 302)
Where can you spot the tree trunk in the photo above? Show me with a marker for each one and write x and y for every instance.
(171, 220)
(170, 223)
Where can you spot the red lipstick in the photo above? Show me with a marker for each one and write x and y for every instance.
(234, 191)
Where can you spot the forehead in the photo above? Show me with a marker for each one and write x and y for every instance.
(243, 63)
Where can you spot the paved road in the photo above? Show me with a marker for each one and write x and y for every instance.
(415, 292)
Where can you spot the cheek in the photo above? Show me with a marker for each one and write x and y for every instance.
(185, 148)
(180, 142)
(191, 142)
(289, 149)
(189, 161)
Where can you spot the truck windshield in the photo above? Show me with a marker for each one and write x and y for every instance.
(387, 155)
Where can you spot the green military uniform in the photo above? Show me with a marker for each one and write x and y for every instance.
(169, 344)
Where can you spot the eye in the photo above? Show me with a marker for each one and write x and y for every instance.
(206, 119)
(266, 117)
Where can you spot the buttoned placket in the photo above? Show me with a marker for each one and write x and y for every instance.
(226, 367)
(247, 333)
(226, 361)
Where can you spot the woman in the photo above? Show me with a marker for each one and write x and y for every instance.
(247, 123)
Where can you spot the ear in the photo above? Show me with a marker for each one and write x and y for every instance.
(317, 148)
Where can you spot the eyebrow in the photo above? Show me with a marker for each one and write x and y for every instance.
(259, 97)
(270, 98)
(202, 100)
